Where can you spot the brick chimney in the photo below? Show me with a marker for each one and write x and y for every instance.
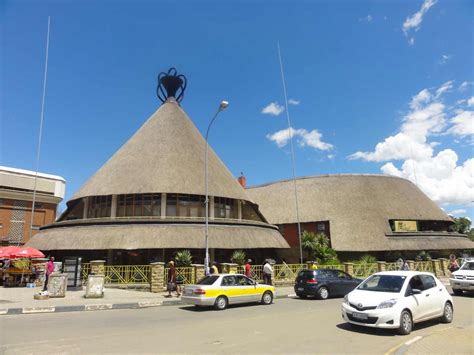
(242, 180)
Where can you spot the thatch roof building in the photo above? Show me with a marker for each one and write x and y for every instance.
(151, 195)
(361, 213)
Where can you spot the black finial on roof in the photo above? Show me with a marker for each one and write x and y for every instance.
(172, 83)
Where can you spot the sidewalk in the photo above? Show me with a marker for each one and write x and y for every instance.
(21, 301)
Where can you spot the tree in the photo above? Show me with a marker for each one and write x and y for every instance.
(462, 225)
(238, 257)
(317, 246)
(183, 258)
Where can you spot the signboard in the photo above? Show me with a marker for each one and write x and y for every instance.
(406, 226)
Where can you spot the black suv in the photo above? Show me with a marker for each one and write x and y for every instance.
(324, 283)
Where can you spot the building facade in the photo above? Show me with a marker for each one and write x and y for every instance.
(16, 199)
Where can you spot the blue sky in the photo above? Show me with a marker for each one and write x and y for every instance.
(375, 86)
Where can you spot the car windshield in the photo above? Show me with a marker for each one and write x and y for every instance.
(208, 280)
(383, 283)
(468, 266)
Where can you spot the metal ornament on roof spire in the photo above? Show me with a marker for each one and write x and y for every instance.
(171, 84)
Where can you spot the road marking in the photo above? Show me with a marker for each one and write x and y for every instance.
(150, 304)
(97, 307)
(415, 339)
(38, 310)
(3, 311)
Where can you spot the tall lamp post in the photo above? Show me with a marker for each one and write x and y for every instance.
(223, 105)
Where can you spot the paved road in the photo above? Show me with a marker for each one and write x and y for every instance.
(287, 326)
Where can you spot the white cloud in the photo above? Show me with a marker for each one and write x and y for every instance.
(304, 138)
(464, 85)
(438, 175)
(413, 22)
(331, 156)
(462, 123)
(444, 59)
(273, 109)
(470, 102)
(294, 102)
(459, 212)
(367, 18)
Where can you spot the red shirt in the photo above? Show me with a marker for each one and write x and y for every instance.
(247, 270)
(49, 268)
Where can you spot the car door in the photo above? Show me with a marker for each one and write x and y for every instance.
(332, 280)
(347, 283)
(434, 296)
(228, 289)
(417, 302)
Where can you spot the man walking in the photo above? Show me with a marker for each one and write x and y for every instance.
(248, 269)
(267, 273)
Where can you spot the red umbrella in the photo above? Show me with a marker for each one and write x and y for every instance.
(8, 252)
(27, 252)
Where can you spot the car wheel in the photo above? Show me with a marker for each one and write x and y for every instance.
(406, 323)
(447, 313)
(267, 298)
(457, 292)
(221, 303)
(323, 293)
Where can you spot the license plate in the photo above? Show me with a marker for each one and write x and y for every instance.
(359, 315)
(300, 288)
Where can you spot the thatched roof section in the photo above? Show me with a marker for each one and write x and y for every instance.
(358, 208)
(165, 155)
(144, 236)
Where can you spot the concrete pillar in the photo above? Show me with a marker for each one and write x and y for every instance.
(411, 264)
(199, 271)
(110, 257)
(444, 266)
(436, 265)
(229, 268)
(381, 266)
(98, 267)
(349, 268)
(86, 208)
(113, 212)
(163, 205)
(157, 280)
(239, 209)
(211, 207)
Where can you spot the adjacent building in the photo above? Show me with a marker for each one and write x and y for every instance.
(360, 213)
(16, 199)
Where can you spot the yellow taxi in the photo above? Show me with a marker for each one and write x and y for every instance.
(221, 290)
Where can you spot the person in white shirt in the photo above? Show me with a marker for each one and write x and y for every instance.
(267, 273)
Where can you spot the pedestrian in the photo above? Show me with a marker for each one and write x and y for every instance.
(214, 269)
(267, 273)
(453, 265)
(405, 266)
(172, 285)
(248, 268)
(48, 271)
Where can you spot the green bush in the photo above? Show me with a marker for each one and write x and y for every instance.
(183, 258)
(238, 257)
(423, 256)
(317, 247)
(367, 259)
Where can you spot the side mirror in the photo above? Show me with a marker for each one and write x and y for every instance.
(415, 291)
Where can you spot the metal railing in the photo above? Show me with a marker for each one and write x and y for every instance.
(285, 272)
(184, 275)
(85, 271)
(127, 274)
(392, 266)
(423, 266)
(364, 270)
(256, 271)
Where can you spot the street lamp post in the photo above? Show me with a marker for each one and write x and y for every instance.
(223, 105)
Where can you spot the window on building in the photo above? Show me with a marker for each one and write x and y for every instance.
(249, 212)
(225, 208)
(75, 210)
(39, 205)
(183, 205)
(138, 205)
(99, 206)
(171, 204)
(321, 227)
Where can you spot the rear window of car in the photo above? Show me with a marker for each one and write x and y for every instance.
(307, 274)
(383, 283)
(208, 280)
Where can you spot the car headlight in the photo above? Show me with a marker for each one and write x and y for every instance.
(346, 299)
(387, 304)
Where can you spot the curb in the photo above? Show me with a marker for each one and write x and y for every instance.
(101, 306)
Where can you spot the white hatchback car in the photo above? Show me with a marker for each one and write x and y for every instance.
(397, 300)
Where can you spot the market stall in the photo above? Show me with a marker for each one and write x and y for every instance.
(16, 267)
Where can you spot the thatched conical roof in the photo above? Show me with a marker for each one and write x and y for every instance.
(165, 155)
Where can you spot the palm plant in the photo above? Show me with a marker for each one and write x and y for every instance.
(238, 257)
(183, 258)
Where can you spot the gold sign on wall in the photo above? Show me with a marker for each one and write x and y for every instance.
(406, 226)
